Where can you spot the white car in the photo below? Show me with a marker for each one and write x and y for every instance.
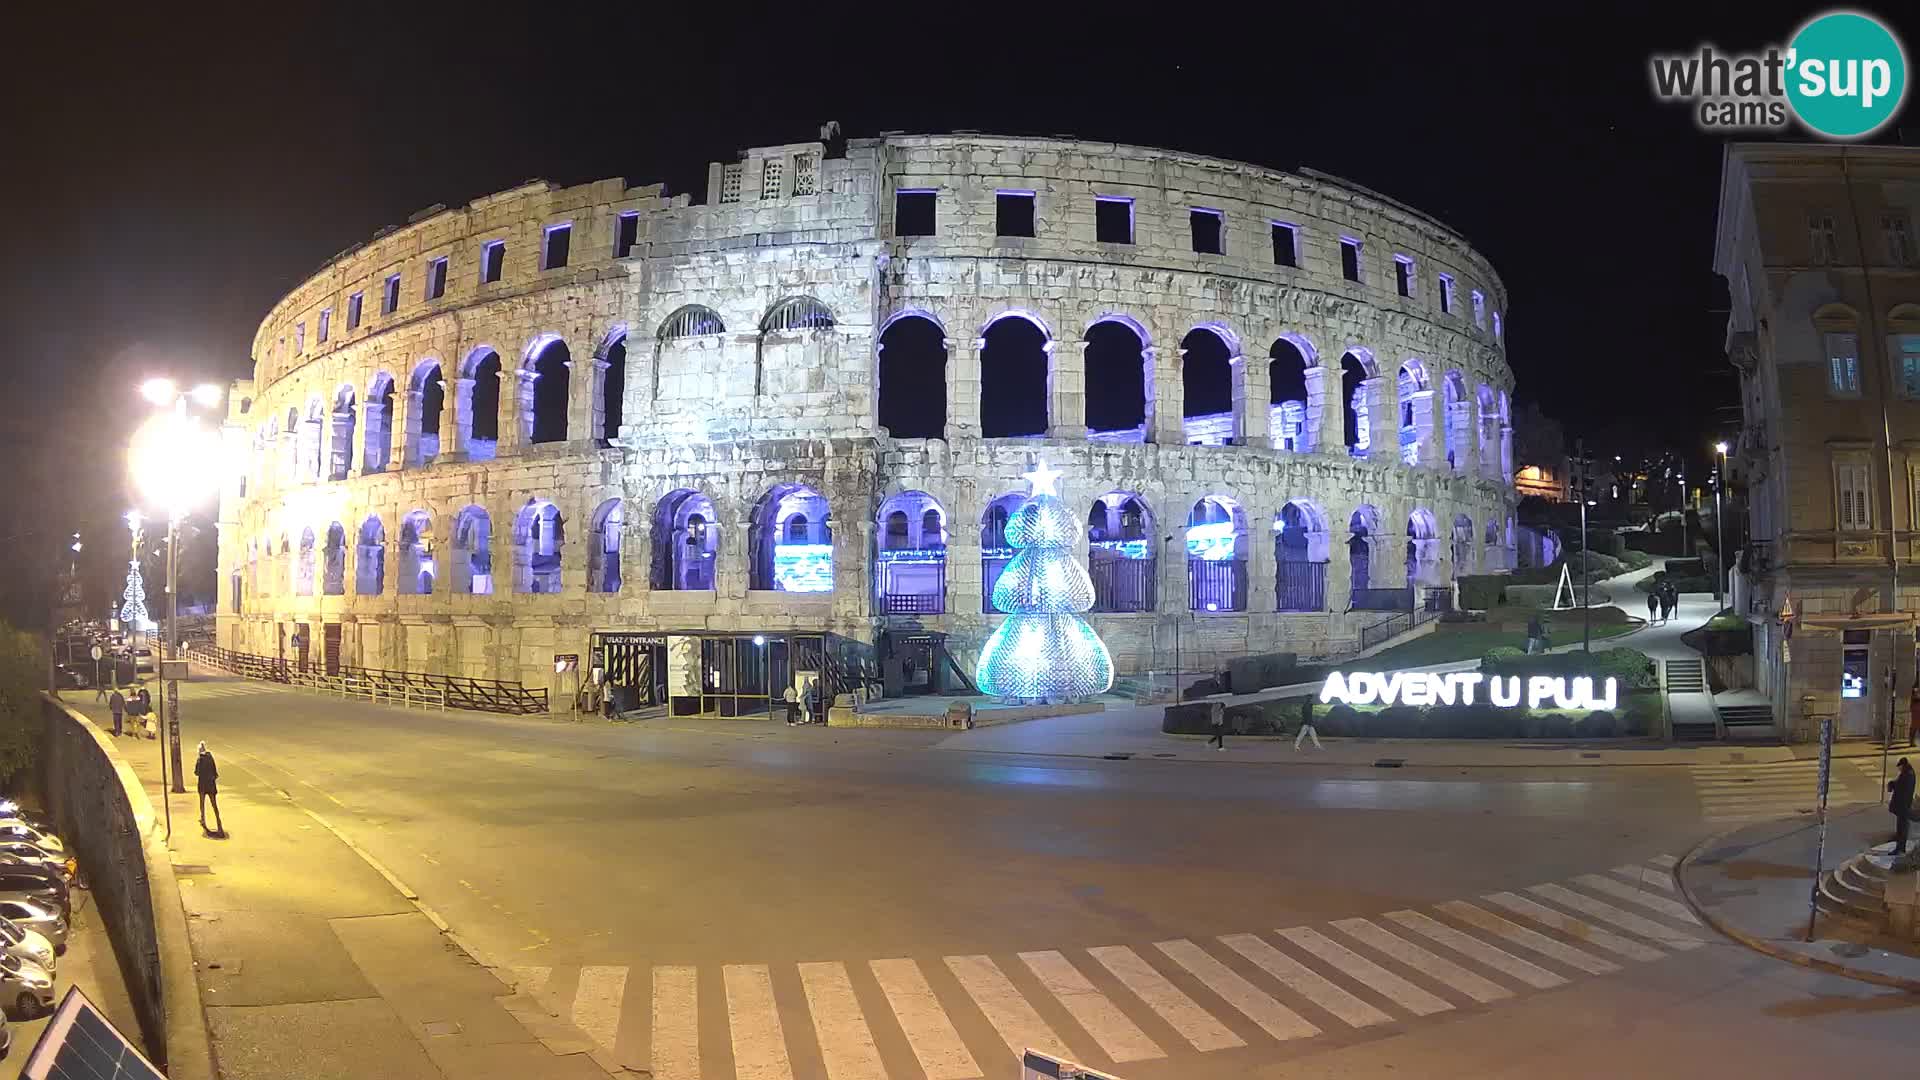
(19, 851)
(28, 945)
(35, 915)
(25, 985)
(45, 841)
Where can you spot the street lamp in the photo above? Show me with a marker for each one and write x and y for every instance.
(175, 464)
(1719, 524)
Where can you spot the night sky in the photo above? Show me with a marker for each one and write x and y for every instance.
(169, 176)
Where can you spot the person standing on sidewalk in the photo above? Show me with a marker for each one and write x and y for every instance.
(1217, 720)
(118, 704)
(208, 774)
(1900, 805)
(793, 706)
(1307, 730)
(1534, 633)
(1653, 607)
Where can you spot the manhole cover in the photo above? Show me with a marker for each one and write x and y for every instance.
(442, 1027)
(191, 868)
(1116, 757)
(1389, 763)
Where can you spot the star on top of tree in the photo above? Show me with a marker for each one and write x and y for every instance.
(1042, 479)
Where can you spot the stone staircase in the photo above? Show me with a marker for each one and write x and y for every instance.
(1690, 677)
(1747, 721)
(1686, 676)
(1857, 889)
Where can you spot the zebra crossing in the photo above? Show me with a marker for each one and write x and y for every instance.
(967, 1016)
(199, 691)
(1736, 793)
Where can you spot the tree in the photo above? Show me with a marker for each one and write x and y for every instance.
(23, 671)
(1044, 651)
(1537, 438)
(133, 602)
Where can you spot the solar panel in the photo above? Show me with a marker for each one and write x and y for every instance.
(80, 1043)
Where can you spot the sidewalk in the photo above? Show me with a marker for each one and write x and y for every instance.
(89, 964)
(315, 963)
(1753, 884)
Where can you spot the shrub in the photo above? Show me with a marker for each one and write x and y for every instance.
(1498, 655)
(1481, 592)
(1249, 673)
(1631, 667)
(1635, 560)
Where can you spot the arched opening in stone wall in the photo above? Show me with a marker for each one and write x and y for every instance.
(1490, 433)
(370, 561)
(791, 541)
(538, 540)
(912, 374)
(1423, 548)
(603, 549)
(1411, 382)
(1357, 408)
(1216, 555)
(1492, 557)
(481, 414)
(333, 577)
(682, 330)
(1122, 553)
(1301, 548)
(1016, 378)
(290, 448)
(686, 542)
(612, 394)
(1119, 384)
(1287, 364)
(910, 572)
(413, 570)
(312, 441)
(472, 561)
(303, 565)
(378, 439)
(1363, 529)
(995, 552)
(548, 376)
(253, 566)
(1462, 546)
(1206, 377)
(430, 390)
(787, 330)
(1454, 390)
(340, 445)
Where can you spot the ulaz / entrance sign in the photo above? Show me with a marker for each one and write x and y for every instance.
(1422, 688)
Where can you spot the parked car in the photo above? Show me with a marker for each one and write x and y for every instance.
(43, 919)
(6, 1036)
(13, 811)
(73, 676)
(21, 853)
(34, 883)
(15, 829)
(25, 985)
(143, 659)
(26, 944)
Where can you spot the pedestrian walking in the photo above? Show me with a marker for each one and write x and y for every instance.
(1666, 604)
(118, 704)
(806, 703)
(1653, 606)
(793, 706)
(1900, 805)
(1217, 720)
(208, 774)
(1536, 630)
(1307, 730)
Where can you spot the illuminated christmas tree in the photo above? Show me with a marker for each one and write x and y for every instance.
(133, 602)
(1044, 651)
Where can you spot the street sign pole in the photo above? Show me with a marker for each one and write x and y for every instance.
(1820, 849)
(172, 653)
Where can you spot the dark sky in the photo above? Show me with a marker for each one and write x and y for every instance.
(169, 175)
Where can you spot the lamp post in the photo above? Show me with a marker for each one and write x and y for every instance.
(175, 465)
(1720, 527)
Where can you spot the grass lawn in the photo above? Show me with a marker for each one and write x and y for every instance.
(1472, 641)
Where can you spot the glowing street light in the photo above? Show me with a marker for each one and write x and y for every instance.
(1719, 523)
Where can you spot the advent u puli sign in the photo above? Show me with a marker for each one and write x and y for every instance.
(1422, 688)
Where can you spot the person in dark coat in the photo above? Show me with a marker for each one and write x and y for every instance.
(208, 773)
(118, 703)
(1536, 633)
(1217, 720)
(1900, 805)
(1653, 606)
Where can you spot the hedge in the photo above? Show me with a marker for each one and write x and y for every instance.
(1275, 717)
(1700, 583)
(1636, 716)
(1483, 592)
(1247, 674)
(1632, 667)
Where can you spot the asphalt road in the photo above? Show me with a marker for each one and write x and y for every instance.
(770, 883)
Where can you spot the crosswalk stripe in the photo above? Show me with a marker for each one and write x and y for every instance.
(846, 1046)
(1528, 939)
(1364, 971)
(676, 1023)
(1194, 1023)
(1667, 861)
(759, 1045)
(1672, 909)
(1305, 981)
(531, 981)
(1574, 928)
(1120, 1037)
(1433, 966)
(1643, 876)
(1009, 1013)
(1618, 917)
(1466, 944)
(935, 1043)
(1274, 1018)
(596, 1003)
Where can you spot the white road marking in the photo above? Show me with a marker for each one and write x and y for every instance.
(1435, 967)
(1574, 928)
(676, 1023)
(1528, 939)
(931, 1035)
(1120, 1037)
(596, 1003)
(759, 1046)
(1466, 944)
(845, 1043)
(1362, 970)
(1274, 1018)
(530, 980)
(1305, 981)
(1672, 909)
(1640, 875)
(1667, 861)
(1623, 919)
(1008, 1012)
(1194, 1023)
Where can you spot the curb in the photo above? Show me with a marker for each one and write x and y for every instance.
(1768, 948)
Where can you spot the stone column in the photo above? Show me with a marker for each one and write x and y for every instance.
(597, 398)
(1428, 445)
(1251, 410)
(1323, 423)
(1263, 569)
(1165, 422)
(1066, 390)
(965, 592)
(1383, 421)
(406, 429)
(1469, 453)
(1506, 454)
(963, 388)
(456, 436)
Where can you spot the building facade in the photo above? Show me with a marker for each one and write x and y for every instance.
(1816, 243)
(561, 417)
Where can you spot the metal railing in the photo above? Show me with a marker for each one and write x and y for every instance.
(1125, 584)
(406, 688)
(1300, 586)
(913, 603)
(1393, 626)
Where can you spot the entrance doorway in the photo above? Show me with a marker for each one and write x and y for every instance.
(1857, 686)
(330, 642)
(636, 667)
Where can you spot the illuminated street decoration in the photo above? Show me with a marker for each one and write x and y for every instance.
(1422, 688)
(133, 601)
(1044, 651)
(1212, 541)
(803, 567)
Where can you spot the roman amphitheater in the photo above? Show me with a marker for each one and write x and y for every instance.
(714, 446)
